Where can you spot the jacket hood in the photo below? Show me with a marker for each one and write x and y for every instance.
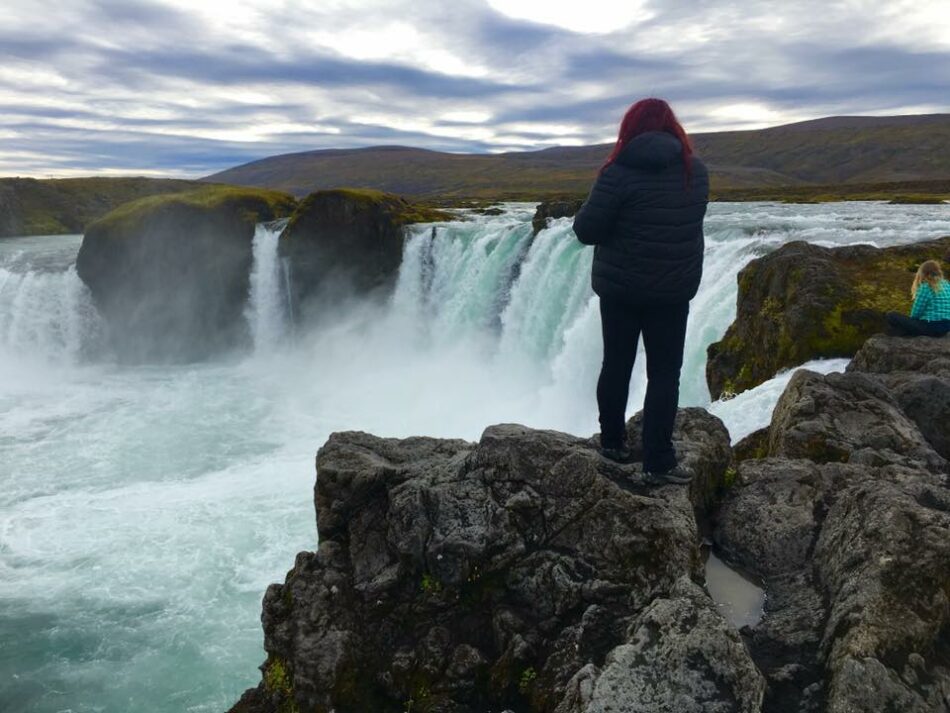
(653, 150)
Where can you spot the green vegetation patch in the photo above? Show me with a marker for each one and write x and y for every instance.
(254, 204)
(30, 206)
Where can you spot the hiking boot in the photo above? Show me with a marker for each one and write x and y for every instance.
(677, 475)
(620, 455)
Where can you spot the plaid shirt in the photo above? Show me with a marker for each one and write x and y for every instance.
(930, 306)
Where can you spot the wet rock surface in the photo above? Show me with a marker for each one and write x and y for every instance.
(522, 572)
(554, 208)
(170, 274)
(345, 242)
(845, 516)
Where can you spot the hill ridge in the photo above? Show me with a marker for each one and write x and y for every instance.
(828, 150)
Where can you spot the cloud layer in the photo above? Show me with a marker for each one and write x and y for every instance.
(173, 87)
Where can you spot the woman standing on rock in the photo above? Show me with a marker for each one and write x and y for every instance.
(930, 313)
(644, 216)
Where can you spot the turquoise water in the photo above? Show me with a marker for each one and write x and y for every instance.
(144, 510)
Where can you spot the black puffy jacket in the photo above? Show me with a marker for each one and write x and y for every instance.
(646, 223)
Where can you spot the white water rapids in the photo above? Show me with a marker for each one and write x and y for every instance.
(144, 510)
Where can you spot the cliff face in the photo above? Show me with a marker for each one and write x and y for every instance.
(170, 274)
(342, 242)
(526, 573)
(522, 572)
(806, 302)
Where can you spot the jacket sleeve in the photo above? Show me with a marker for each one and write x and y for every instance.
(921, 301)
(595, 220)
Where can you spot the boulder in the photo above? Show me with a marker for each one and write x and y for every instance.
(846, 418)
(882, 354)
(523, 571)
(842, 509)
(554, 208)
(170, 274)
(916, 372)
(345, 241)
(804, 302)
(680, 656)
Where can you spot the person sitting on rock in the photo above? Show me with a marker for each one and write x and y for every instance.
(644, 215)
(930, 314)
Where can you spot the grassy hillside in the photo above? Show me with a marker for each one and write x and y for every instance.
(825, 151)
(38, 207)
(258, 204)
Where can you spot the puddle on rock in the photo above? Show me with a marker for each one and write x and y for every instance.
(740, 600)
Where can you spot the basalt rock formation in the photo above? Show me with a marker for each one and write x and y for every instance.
(342, 242)
(554, 208)
(170, 274)
(806, 302)
(842, 508)
(526, 573)
(523, 572)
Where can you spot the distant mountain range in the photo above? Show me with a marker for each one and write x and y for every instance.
(834, 150)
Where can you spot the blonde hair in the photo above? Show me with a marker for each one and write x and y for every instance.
(930, 273)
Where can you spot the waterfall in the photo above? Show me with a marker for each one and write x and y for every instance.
(46, 315)
(533, 297)
(268, 305)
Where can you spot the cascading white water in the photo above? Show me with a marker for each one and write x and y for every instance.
(45, 314)
(267, 309)
(459, 279)
(143, 510)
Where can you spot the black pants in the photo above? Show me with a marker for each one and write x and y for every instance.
(904, 326)
(664, 332)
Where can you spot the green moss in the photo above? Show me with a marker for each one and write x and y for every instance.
(278, 682)
(526, 680)
(430, 585)
(418, 701)
(772, 308)
(254, 204)
(729, 477)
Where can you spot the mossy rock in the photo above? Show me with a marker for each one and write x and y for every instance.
(554, 208)
(805, 302)
(170, 274)
(347, 241)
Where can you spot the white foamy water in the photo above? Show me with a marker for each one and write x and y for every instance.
(143, 510)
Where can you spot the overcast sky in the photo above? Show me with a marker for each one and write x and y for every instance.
(189, 87)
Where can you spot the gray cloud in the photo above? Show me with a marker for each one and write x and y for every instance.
(158, 86)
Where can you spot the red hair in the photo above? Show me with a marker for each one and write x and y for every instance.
(650, 115)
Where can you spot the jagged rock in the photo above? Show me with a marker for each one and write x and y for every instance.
(170, 274)
(845, 418)
(882, 354)
(805, 302)
(917, 374)
(554, 208)
(345, 241)
(471, 577)
(680, 656)
(884, 559)
(848, 524)
(755, 445)
(856, 561)
(769, 521)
